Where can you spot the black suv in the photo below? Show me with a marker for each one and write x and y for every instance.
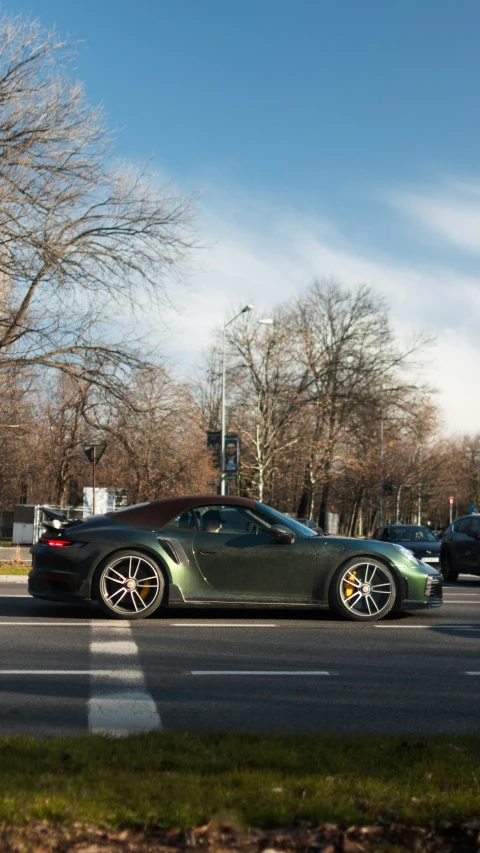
(460, 550)
(418, 539)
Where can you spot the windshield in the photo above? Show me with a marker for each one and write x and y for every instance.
(410, 534)
(285, 520)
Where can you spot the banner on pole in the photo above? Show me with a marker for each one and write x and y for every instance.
(232, 448)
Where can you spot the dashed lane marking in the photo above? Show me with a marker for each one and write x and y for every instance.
(118, 708)
(274, 672)
(123, 674)
(114, 647)
(434, 625)
(127, 625)
(31, 624)
(222, 625)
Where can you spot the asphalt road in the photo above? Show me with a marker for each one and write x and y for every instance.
(68, 669)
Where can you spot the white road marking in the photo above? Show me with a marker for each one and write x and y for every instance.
(254, 672)
(2, 595)
(424, 627)
(118, 709)
(396, 627)
(222, 625)
(472, 673)
(124, 674)
(114, 647)
(458, 601)
(32, 624)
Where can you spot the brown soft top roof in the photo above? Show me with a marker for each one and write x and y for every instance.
(159, 513)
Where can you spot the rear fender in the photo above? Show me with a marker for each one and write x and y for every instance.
(162, 562)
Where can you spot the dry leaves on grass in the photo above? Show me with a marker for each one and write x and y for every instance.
(227, 837)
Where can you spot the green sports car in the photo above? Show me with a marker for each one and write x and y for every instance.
(211, 550)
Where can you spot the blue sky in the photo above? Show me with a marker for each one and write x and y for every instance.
(328, 137)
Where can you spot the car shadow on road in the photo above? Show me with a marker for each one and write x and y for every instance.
(30, 608)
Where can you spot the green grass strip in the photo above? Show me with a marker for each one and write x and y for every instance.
(179, 779)
(6, 569)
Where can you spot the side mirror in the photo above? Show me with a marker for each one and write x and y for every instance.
(286, 537)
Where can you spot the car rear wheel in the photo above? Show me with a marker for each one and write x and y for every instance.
(130, 585)
(449, 574)
(363, 590)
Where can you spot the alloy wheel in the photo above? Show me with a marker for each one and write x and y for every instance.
(130, 586)
(364, 590)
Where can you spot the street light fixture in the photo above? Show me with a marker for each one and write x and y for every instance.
(222, 436)
(266, 322)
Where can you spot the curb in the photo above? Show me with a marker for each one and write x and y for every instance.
(13, 578)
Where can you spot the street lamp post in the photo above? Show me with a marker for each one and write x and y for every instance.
(264, 322)
(223, 481)
(380, 506)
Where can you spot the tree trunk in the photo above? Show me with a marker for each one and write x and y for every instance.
(397, 504)
(322, 515)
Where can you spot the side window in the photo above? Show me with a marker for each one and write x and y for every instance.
(230, 519)
(386, 535)
(463, 526)
(185, 521)
(474, 528)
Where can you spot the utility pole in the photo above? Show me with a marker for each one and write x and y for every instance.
(223, 479)
(419, 513)
(380, 506)
(267, 321)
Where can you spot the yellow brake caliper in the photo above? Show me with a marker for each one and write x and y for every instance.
(349, 590)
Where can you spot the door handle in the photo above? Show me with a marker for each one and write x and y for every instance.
(205, 551)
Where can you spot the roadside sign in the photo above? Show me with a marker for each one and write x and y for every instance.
(94, 452)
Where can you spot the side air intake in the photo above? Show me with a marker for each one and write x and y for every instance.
(174, 551)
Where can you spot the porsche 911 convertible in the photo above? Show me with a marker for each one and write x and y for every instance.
(211, 550)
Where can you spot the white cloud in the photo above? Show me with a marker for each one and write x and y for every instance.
(277, 256)
(452, 372)
(452, 213)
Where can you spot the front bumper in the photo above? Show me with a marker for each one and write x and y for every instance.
(433, 595)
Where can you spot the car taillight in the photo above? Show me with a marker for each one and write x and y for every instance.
(54, 543)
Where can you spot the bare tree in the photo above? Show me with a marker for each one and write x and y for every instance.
(263, 398)
(350, 367)
(85, 241)
(156, 444)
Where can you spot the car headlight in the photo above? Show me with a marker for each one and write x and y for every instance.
(405, 552)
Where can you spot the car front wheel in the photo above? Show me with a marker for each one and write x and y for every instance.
(363, 590)
(130, 585)
(449, 574)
